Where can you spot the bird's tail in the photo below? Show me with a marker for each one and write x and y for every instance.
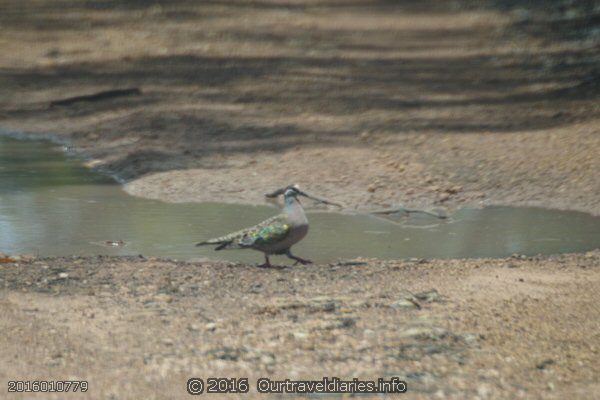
(221, 242)
(221, 245)
(207, 242)
(227, 241)
(212, 241)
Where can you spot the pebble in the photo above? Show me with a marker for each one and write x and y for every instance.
(211, 327)
(267, 359)
(443, 197)
(63, 275)
(421, 331)
(300, 335)
(483, 391)
(429, 296)
(405, 303)
(454, 189)
(162, 297)
(471, 338)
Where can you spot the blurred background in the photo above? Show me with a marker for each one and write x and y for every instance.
(445, 101)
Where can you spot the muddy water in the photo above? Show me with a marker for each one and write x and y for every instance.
(51, 205)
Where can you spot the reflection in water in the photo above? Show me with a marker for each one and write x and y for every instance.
(52, 205)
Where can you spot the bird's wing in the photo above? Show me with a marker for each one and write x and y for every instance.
(267, 232)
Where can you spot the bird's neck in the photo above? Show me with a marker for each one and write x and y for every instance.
(294, 210)
(290, 201)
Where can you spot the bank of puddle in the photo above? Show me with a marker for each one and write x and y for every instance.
(52, 205)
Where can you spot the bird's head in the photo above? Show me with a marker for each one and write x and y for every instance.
(292, 191)
(291, 194)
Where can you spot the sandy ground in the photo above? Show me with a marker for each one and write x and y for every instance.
(135, 328)
(369, 103)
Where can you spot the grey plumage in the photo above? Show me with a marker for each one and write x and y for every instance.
(275, 235)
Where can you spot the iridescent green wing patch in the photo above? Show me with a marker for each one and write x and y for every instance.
(270, 233)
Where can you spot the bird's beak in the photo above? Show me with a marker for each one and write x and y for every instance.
(319, 200)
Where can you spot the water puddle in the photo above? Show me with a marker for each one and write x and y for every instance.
(51, 205)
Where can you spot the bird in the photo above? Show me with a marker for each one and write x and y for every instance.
(275, 235)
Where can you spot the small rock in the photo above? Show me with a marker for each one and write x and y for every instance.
(63, 275)
(454, 189)
(424, 332)
(300, 335)
(483, 391)
(429, 296)
(321, 304)
(167, 342)
(405, 303)
(162, 297)
(211, 327)
(347, 322)
(545, 363)
(589, 254)
(267, 359)
(471, 338)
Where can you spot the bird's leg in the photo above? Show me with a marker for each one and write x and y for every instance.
(267, 263)
(298, 259)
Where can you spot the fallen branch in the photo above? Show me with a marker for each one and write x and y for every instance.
(408, 211)
(104, 95)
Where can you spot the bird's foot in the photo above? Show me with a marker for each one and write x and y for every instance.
(265, 265)
(302, 261)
